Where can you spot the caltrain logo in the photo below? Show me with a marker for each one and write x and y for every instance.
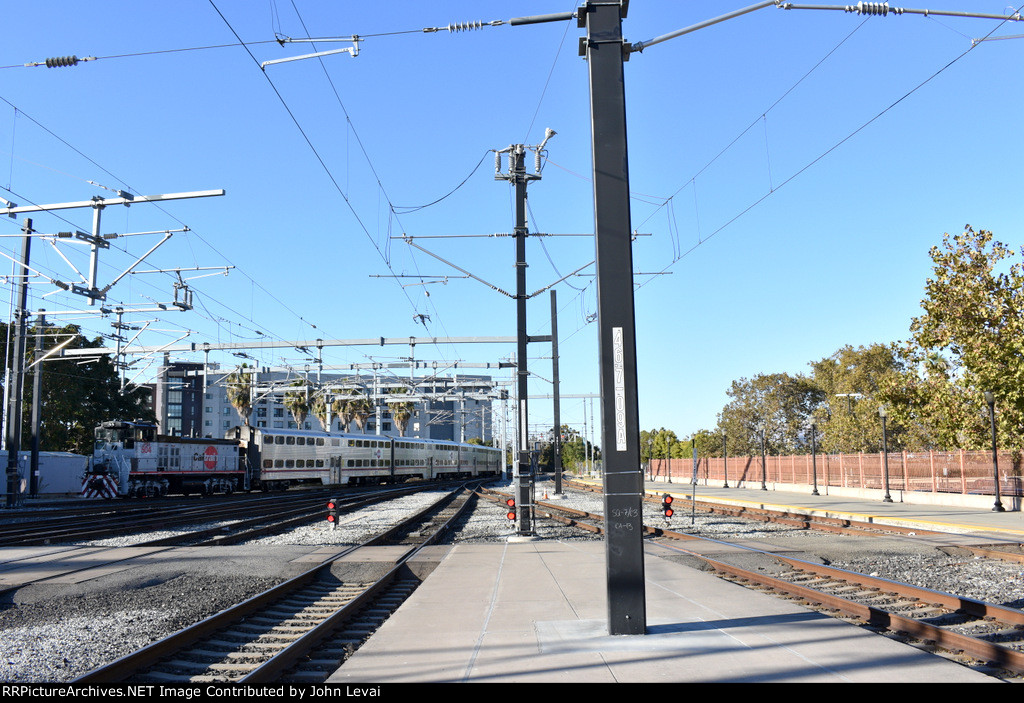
(209, 457)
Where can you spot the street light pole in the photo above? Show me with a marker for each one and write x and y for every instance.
(885, 453)
(725, 459)
(814, 459)
(764, 462)
(990, 398)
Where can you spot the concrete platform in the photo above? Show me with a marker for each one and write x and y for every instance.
(536, 612)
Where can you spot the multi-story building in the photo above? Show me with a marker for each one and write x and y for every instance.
(192, 400)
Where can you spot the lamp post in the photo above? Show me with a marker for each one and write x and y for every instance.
(990, 398)
(764, 465)
(882, 413)
(814, 459)
(725, 459)
(650, 457)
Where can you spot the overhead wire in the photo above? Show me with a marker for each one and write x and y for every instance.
(315, 151)
(828, 151)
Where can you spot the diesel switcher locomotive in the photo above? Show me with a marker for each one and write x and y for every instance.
(131, 459)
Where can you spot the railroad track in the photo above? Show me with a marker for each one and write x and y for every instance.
(72, 559)
(1005, 550)
(54, 527)
(984, 633)
(226, 522)
(981, 632)
(300, 630)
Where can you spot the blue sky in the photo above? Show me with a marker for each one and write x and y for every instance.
(791, 168)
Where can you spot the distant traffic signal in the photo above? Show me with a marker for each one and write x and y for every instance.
(332, 512)
(666, 505)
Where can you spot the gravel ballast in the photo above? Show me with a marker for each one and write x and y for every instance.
(51, 633)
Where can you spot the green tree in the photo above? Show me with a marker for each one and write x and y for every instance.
(76, 396)
(359, 408)
(708, 443)
(297, 401)
(973, 320)
(777, 405)
(660, 444)
(401, 410)
(574, 453)
(318, 407)
(239, 391)
(853, 384)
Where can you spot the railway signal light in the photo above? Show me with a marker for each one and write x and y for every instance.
(511, 503)
(666, 505)
(332, 512)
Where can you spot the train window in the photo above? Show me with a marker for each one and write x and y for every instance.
(267, 439)
(268, 463)
(289, 440)
(359, 443)
(351, 443)
(289, 463)
(319, 463)
(301, 463)
(278, 463)
(300, 440)
(319, 441)
(279, 440)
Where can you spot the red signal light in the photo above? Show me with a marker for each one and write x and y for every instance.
(666, 505)
(332, 512)
(511, 503)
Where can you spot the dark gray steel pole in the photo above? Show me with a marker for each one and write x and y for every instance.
(524, 502)
(37, 404)
(623, 473)
(557, 453)
(17, 367)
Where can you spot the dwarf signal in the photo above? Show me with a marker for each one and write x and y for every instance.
(511, 503)
(332, 512)
(666, 505)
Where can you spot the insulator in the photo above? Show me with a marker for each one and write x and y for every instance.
(536, 162)
(497, 162)
(62, 61)
(869, 8)
(464, 26)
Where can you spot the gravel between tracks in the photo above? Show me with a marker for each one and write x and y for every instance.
(55, 633)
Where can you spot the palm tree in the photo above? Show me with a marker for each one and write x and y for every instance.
(319, 409)
(360, 408)
(340, 407)
(297, 401)
(239, 390)
(401, 411)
